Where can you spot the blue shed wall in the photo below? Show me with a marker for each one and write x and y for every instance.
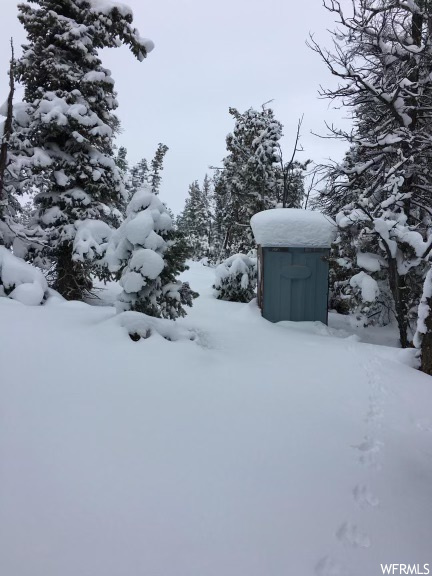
(295, 284)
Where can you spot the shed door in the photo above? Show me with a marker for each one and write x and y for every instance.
(295, 284)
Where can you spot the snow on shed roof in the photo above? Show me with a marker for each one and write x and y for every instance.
(293, 227)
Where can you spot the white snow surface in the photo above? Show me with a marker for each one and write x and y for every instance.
(257, 449)
(293, 227)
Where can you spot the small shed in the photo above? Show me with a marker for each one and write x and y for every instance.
(293, 268)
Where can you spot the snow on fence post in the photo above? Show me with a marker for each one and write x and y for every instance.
(293, 269)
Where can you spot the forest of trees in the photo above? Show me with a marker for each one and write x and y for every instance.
(92, 215)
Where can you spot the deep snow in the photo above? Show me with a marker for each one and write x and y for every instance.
(258, 450)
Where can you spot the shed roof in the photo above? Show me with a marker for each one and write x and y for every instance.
(293, 227)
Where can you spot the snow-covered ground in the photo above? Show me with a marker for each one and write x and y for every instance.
(256, 450)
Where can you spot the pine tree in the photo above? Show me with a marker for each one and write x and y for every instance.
(175, 294)
(382, 194)
(250, 173)
(139, 176)
(195, 221)
(17, 229)
(155, 178)
(70, 100)
(219, 201)
(147, 256)
(253, 178)
(142, 173)
(123, 167)
(121, 161)
(208, 201)
(8, 203)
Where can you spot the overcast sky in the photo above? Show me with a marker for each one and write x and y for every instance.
(210, 56)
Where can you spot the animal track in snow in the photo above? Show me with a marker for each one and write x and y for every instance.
(375, 412)
(350, 535)
(364, 497)
(327, 566)
(369, 450)
(374, 377)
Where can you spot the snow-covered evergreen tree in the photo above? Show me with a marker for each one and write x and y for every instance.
(143, 173)
(6, 129)
(236, 278)
(175, 294)
(249, 174)
(123, 167)
(381, 194)
(70, 100)
(209, 208)
(12, 229)
(253, 178)
(17, 228)
(219, 200)
(146, 256)
(122, 161)
(139, 176)
(155, 177)
(353, 253)
(195, 222)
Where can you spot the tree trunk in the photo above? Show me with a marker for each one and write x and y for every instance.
(426, 346)
(73, 281)
(399, 290)
(8, 126)
(397, 282)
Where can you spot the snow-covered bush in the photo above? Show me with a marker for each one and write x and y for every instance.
(140, 326)
(236, 278)
(145, 255)
(187, 295)
(21, 281)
